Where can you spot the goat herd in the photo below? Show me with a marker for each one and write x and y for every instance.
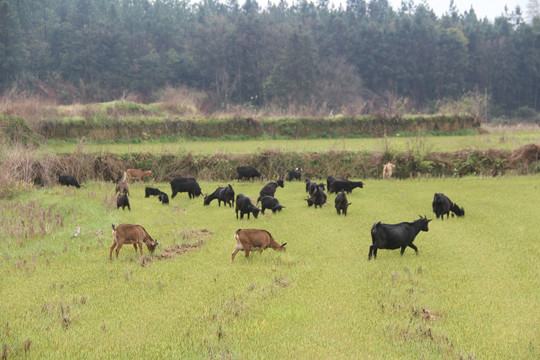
(384, 236)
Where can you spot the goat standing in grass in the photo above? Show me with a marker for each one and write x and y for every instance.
(253, 239)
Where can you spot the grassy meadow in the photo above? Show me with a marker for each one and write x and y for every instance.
(471, 292)
(497, 138)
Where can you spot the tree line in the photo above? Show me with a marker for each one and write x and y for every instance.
(307, 53)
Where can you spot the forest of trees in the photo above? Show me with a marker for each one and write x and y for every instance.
(305, 53)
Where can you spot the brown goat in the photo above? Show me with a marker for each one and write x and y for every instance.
(253, 239)
(138, 173)
(122, 187)
(387, 170)
(131, 234)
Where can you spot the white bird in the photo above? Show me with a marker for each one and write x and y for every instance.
(99, 232)
(77, 231)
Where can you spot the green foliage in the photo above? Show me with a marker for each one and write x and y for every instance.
(321, 294)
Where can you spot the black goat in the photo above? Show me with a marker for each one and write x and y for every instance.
(164, 198)
(225, 194)
(68, 180)
(270, 189)
(329, 180)
(269, 202)
(341, 203)
(245, 206)
(122, 201)
(344, 185)
(148, 191)
(318, 197)
(443, 205)
(394, 236)
(248, 172)
(294, 174)
(313, 186)
(189, 185)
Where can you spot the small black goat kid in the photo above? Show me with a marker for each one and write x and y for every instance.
(164, 198)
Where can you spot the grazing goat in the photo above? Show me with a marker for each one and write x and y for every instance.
(131, 234)
(294, 174)
(341, 203)
(189, 185)
(225, 194)
(387, 170)
(344, 185)
(148, 191)
(270, 189)
(443, 205)
(394, 236)
(248, 172)
(122, 187)
(254, 239)
(137, 173)
(245, 206)
(68, 180)
(122, 201)
(318, 197)
(268, 202)
(164, 198)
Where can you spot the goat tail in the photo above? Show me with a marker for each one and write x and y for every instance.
(113, 228)
(236, 236)
(374, 228)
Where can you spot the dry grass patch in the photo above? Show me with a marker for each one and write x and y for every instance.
(30, 107)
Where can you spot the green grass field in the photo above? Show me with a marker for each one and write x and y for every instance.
(496, 139)
(473, 289)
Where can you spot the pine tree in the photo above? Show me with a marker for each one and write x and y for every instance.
(12, 49)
